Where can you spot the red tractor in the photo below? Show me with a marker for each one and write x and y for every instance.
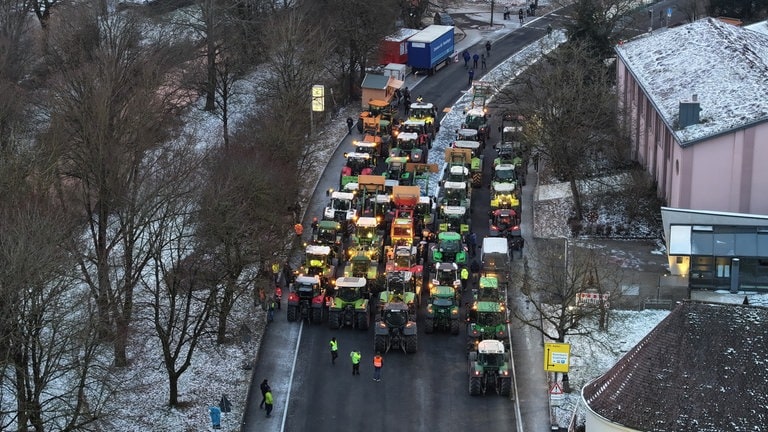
(504, 223)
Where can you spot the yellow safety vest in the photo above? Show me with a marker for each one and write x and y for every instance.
(464, 274)
(355, 357)
(334, 346)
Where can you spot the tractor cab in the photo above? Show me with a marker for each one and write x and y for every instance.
(449, 248)
(307, 288)
(504, 173)
(317, 261)
(327, 233)
(341, 207)
(371, 145)
(349, 304)
(350, 289)
(396, 169)
(473, 146)
(407, 144)
(424, 214)
(488, 290)
(426, 112)
(466, 135)
(457, 173)
(376, 119)
(366, 240)
(401, 288)
(477, 119)
(404, 259)
(504, 223)
(357, 164)
(487, 320)
(446, 274)
(455, 194)
(504, 195)
(306, 299)
(453, 218)
(491, 354)
(420, 129)
(476, 161)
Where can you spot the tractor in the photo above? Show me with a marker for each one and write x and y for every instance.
(427, 112)
(349, 305)
(504, 223)
(306, 300)
(395, 328)
(488, 290)
(377, 119)
(318, 262)
(449, 248)
(396, 170)
(407, 144)
(442, 309)
(446, 274)
(505, 173)
(476, 163)
(489, 365)
(329, 233)
(357, 164)
(504, 196)
(367, 240)
(375, 146)
(362, 266)
(418, 127)
(401, 287)
(477, 119)
(453, 218)
(487, 320)
(341, 207)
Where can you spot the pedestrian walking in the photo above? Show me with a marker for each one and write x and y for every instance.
(549, 30)
(407, 105)
(506, 12)
(482, 60)
(378, 363)
(287, 273)
(475, 58)
(471, 77)
(350, 123)
(268, 402)
(466, 57)
(355, 356)
(264, 386)
(487, 48)
(276, 271)
(521, 16)
(475, 269)
(407, 93)
(473, 244)
(278, 297)
(334, 346)
(271, 311)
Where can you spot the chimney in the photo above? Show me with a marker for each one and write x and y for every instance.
(689, 112)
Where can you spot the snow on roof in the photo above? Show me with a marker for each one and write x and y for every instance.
(760, 27)
(347, 196)
(375, 81)
(454, 185)
(318, 250)
(466, 144)
(454, 210)
(367, 222)
(476, 112)
(724, 65)
(401, 35)
(407, 136)
(430, 33)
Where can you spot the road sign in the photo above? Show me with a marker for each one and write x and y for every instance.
(557, 357)
(556, 391)
(669, 12)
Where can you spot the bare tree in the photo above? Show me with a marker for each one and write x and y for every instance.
(598, 24)
(571, 115)
(107, 117)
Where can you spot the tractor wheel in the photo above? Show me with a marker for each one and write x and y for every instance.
(380, 343)
(316, 316)
(429, 325)
(411, 344)
(505, 386)
(362, 321)
(477, 179)
(360, 125)
(292, 313)
(475, 386)
(454, 327)
(334, 319)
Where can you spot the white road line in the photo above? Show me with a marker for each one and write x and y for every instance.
(290, 381)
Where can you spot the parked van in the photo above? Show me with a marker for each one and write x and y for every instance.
(442, 18)
(496, 259)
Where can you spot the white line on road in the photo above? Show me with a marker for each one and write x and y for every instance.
(290, 381)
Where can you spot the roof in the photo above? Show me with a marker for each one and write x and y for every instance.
(495, 245)
(407, 136)
(700, 369)
(350, 282)
(318, 250)
(368, 222)
(454, 210)
(504, 187)
(724, 65)
(401, 35)
(466, 144)
(490, 346)
(375, 81)
(430, 33)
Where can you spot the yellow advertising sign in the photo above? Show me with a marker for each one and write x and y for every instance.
(557, 357)
(318, 98)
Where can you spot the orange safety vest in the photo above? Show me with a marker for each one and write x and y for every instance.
(377, 360)
(298, 228)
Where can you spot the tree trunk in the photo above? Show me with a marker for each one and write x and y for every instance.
(102, 268)
(576, 199)
(173, 387)
(20, 364)
(210, 87)
(224, 309)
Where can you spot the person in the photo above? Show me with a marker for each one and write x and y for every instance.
(466, 57)
(407, 105)
(521, 16)
(264, 386)
(549, 30)
(487, 48)
(473, 243)
(334, 350)
(398, 97)
(268, 401)
(407, 93)
(482, 60)
(475, 58)
(278, 296)
(471, 77)
(271, 311)
(314, 224)
(350, 123)
(287, 273)
(506, 12)
(378, 362)
(276, 271)
(464, 278)
(475, 269)
(355, 356)
(298, 229)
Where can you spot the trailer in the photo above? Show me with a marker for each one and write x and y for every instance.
(431, 48)
(394, 48)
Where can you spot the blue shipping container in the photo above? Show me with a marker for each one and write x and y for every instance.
(429, 47)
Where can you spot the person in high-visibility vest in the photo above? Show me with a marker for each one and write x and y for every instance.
(268, 401)
(334, 350)
(464, 277)
(378, 362)
(355, 356)
(276, 272)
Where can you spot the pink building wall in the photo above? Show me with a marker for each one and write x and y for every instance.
(724, 173)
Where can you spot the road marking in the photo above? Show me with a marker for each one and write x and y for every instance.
(290, 381)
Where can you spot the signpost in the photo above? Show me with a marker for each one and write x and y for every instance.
(317, 105)
(557, 358)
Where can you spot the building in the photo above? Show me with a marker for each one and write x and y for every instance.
(701, 369)
(695, 98)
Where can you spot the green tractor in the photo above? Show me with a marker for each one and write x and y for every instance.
(362, 266)
(476, 163)
(329, 233)
(488, 290)
(477, 119)
(318, 262)
(446, 274)
(489, 366)
(449, 248)
(401, 287)
(442, 310)
(396, 328)
(453, 218)
(487, 320)
(349, 305)
(367, 240)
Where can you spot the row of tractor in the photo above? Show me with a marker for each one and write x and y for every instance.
(397, 245)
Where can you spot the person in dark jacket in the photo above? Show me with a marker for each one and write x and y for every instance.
(264, 387)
